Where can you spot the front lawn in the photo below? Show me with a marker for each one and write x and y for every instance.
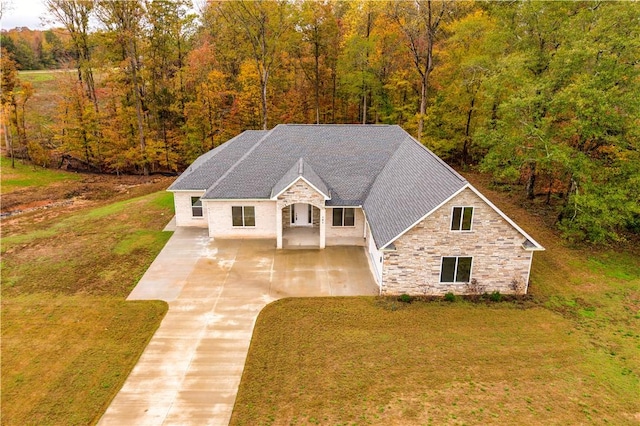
(69, 338)
(571, 355)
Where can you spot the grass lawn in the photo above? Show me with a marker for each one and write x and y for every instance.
(28, 176)
(69, 339)
(569, 356)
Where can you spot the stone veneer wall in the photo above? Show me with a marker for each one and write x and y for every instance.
(300, 192)
(496, 248)
(286, 217)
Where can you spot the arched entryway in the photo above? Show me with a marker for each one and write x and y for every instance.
(300, 225)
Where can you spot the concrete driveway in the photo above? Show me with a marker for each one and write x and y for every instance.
(190, 371)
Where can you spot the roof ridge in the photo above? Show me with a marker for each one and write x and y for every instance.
(407, 139)
(337, 125)
(240, 160)
(214, 152)
(386, 164)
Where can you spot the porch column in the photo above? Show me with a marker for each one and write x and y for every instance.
(278, 226)
(322, 227)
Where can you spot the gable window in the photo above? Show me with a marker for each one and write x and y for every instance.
(344, 217)
(461, 218)
(243, 216)
(196, 207)
(455, 269)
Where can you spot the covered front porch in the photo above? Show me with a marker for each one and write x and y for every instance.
(300, 225)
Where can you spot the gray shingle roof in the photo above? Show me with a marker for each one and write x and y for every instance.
(208, 168)
(379, 167)
(300, 169)
(413, 183)
(348, 157)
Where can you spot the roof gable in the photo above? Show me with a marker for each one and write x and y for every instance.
(303, 171)
(528, 244)
(413, 183)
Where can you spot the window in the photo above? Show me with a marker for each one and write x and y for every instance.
(196, 207)
(455, 270)
(461, 218)
(243, 215)
(344, 217)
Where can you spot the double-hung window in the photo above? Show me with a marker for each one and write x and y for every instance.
(344, 217)
(243, 216)
(455, 269)
(196, 207)
(461, 218)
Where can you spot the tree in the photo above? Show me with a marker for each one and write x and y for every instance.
(317, 28)
(8, 82)
(468, 57)
(261, 25)
(420, 23)
(75, 16)
(124, 20)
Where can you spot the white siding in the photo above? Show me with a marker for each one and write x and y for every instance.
(184, 217)
(221, 225)
(375, 258)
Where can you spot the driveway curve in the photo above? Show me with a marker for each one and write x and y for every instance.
(190, 372)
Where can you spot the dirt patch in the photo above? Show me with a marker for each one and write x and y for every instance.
(50, 201)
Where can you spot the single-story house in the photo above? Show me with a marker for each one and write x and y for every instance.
(425, 229)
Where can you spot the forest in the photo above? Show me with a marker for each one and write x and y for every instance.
(544, 96)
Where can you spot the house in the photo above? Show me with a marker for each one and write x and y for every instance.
(425, 229)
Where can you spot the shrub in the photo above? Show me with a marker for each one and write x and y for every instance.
(495, 296)
(517, 285)
(474, 287)
(405, 298)
(450, 297)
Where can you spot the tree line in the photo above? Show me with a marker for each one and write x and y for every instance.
(543, 94)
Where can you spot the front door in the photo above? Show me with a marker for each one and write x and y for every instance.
(301, 214)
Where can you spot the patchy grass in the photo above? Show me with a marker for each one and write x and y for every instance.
(103, 251)
(29, 176)
(571, 356)
(69, 339)
(47, 93)
(40, 76)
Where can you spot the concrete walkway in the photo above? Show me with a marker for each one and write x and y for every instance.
(190, 371)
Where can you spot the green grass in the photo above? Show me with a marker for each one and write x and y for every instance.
(38, 76)
(69, 339)
(28, 176)
(103, 251)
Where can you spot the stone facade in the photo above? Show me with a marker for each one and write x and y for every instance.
(494, 245)
(300, 192)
